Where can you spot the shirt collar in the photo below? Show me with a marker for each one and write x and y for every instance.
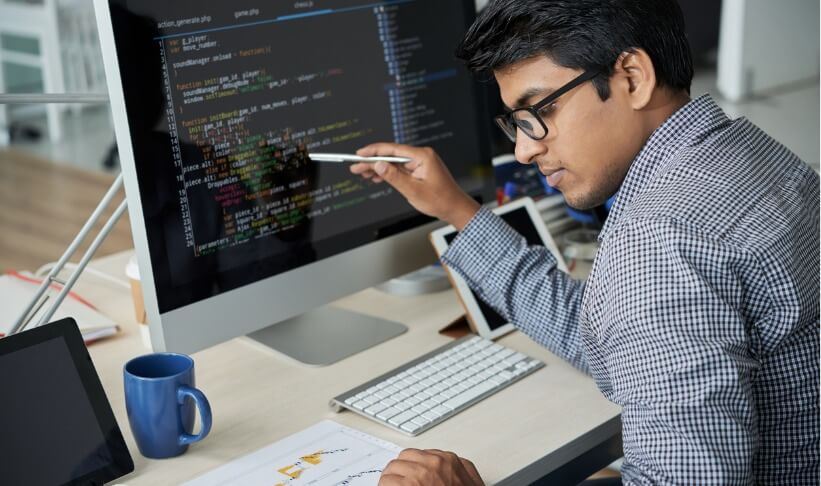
(691, 123)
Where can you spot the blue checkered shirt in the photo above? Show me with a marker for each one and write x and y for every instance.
(700, 317)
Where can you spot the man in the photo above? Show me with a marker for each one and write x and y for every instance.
(701, 314)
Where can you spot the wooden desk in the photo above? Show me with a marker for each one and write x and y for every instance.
(526, 431)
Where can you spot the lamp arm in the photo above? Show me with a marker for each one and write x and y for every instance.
(35, 303)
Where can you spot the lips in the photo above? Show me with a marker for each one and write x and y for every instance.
(554, 176)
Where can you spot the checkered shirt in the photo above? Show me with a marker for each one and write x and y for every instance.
(700, 317)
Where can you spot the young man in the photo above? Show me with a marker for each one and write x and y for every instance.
(701, 314)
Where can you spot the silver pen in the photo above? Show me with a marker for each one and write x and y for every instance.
(318, 157)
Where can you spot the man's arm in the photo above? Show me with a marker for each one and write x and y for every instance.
(523, 283)
(670, 338)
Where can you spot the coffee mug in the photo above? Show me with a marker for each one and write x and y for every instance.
(159, 399)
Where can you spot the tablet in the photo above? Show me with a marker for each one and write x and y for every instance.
(523, 217)
(57, 425)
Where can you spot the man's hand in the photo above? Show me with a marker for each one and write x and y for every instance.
(430, 467)
(425, 182)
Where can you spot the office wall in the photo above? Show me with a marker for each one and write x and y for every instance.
(766, 44)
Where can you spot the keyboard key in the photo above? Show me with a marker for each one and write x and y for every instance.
(360, 405)
(391, 389)
(442, 410)
(515, 358)
(411, 427)
(505, 375)
(387, 413)
(450, 393)
(388, 402)
(429, 403)
(440, 398)
(468, 395)
(420, 409)
(421, 421)
(475, 380)
(401, 418)
(351, 400)
(374, 409)
(371, 399)
(431, 415)
(496, 379)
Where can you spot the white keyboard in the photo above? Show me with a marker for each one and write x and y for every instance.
(437, 386)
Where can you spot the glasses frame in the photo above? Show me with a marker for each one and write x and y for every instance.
(508, 120)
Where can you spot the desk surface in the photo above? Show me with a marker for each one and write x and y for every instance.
(522, 433)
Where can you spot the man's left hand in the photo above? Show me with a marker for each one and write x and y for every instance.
(430, 467)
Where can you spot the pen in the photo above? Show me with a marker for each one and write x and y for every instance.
(317, 157)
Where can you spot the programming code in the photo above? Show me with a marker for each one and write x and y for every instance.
(226, 100)
(253, 105)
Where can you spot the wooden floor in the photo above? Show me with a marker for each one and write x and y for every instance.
(42, 207)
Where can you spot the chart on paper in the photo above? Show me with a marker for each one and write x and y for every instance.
(324, 454)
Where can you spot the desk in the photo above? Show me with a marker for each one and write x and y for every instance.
(526, 431)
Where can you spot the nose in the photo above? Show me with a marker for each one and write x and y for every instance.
(528, 149)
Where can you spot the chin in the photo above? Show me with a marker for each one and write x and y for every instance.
(583, 201)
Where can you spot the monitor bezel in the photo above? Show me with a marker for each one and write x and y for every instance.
(210, 321)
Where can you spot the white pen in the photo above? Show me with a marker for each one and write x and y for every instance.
(356, 158)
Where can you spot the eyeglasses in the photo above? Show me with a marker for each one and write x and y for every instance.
(529, 119)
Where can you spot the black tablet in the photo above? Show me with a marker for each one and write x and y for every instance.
(523, 217)
(56, 425)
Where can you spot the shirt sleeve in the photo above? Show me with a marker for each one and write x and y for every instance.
(522, 283)
(677, 354)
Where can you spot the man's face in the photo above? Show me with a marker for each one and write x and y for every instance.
(590, 143)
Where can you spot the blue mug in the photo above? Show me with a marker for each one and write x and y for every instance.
(159, 400)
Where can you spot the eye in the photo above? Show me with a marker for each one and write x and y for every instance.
(547, 110)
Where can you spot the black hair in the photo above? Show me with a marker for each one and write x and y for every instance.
(581, 34)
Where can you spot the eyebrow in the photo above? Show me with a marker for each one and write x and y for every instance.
(522, 101)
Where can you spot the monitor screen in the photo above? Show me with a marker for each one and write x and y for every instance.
(225, 99)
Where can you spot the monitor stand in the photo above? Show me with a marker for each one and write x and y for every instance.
(326, 335)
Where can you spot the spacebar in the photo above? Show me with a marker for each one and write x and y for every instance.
(469, 395)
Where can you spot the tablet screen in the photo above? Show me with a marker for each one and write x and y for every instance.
(51, 433)
(519, 220)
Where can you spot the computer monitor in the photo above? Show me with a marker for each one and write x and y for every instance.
(215, 106)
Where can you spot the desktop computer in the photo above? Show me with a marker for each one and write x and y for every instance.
(216, 105)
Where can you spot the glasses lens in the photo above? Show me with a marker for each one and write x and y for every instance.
(529, 124)
(507, 126)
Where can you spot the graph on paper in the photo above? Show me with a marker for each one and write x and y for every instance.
(326, 454)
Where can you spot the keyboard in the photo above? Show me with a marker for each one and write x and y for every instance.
(427, 391)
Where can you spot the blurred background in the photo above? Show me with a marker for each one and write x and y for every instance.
(758, 58)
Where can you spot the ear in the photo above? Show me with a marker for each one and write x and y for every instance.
(637, 72)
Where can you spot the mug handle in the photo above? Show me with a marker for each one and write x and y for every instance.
(205, 413)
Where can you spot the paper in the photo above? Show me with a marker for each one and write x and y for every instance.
(324, 454)
(17, 291)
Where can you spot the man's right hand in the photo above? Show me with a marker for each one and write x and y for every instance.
(425, 182)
